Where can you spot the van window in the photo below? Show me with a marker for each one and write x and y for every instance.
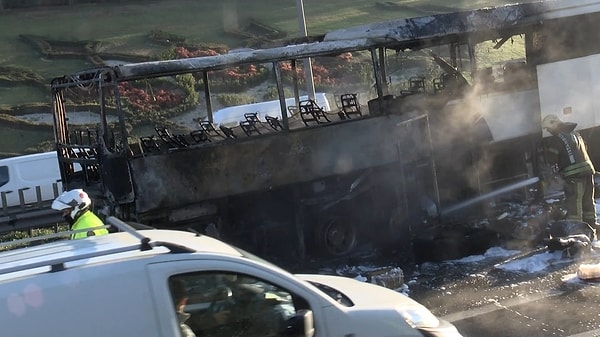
(229, 304)
(3, 175)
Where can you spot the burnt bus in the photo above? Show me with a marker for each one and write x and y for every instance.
(441, 121)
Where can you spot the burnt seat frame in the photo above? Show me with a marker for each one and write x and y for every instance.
(274, 123)
(350, 106)
(173, 141)
(149, 144)
(228, 132)
(416, 84)
(311, 112)
(200, 136)
(210, 130)
(249, 125)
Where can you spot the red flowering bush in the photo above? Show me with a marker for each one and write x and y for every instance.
(239, 78)
(139, 100)
(326, 72)
(184, 53)
(347, 56)
(231, 79)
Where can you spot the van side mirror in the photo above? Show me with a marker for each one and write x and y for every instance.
(300, 325)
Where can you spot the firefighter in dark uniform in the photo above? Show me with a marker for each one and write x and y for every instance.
(567, 151)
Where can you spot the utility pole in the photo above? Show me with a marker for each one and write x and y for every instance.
(308, 74)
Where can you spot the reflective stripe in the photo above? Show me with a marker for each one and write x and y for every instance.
(567, 143)
(578, 168)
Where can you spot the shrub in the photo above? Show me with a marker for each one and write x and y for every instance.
(234, 79)
(148, 101)
(234, 99)
(18, 235)
(329, 72)
(162, 37)
(272, 94)
(238, 79)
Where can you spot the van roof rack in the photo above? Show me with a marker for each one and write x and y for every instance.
(14, 261)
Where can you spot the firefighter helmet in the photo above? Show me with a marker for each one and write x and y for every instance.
(551, 123)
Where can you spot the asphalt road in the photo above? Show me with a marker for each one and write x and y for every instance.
(485, 301)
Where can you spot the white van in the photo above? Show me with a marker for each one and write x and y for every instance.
(155, 283)
(25, 173)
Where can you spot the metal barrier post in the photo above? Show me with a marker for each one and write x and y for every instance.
(4, 203)
(22, 197)
(38, 194)
(55, 189)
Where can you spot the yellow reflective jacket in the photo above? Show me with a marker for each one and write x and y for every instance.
(88, 220)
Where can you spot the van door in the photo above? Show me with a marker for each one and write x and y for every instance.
(27, 172)
(224, 298)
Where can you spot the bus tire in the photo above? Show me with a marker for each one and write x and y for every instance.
(336, 236)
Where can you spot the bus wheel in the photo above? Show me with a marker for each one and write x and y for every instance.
(336, 237)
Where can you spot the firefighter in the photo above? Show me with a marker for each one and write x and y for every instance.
(75, 205)
(567, 151)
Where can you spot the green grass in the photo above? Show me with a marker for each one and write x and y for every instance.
(23, 94)
(49, 69)
(17, 141)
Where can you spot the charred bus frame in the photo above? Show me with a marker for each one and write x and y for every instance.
(304, 184)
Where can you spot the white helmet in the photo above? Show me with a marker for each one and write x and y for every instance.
(551, 122)
(77, 200)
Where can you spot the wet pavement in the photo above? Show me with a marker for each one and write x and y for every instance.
(482, 300)
(485, 301)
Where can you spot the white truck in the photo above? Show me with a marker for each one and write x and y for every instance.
(140, 283)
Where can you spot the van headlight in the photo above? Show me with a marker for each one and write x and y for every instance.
(418, 316)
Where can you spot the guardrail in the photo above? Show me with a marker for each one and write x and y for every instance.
(26, 216)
